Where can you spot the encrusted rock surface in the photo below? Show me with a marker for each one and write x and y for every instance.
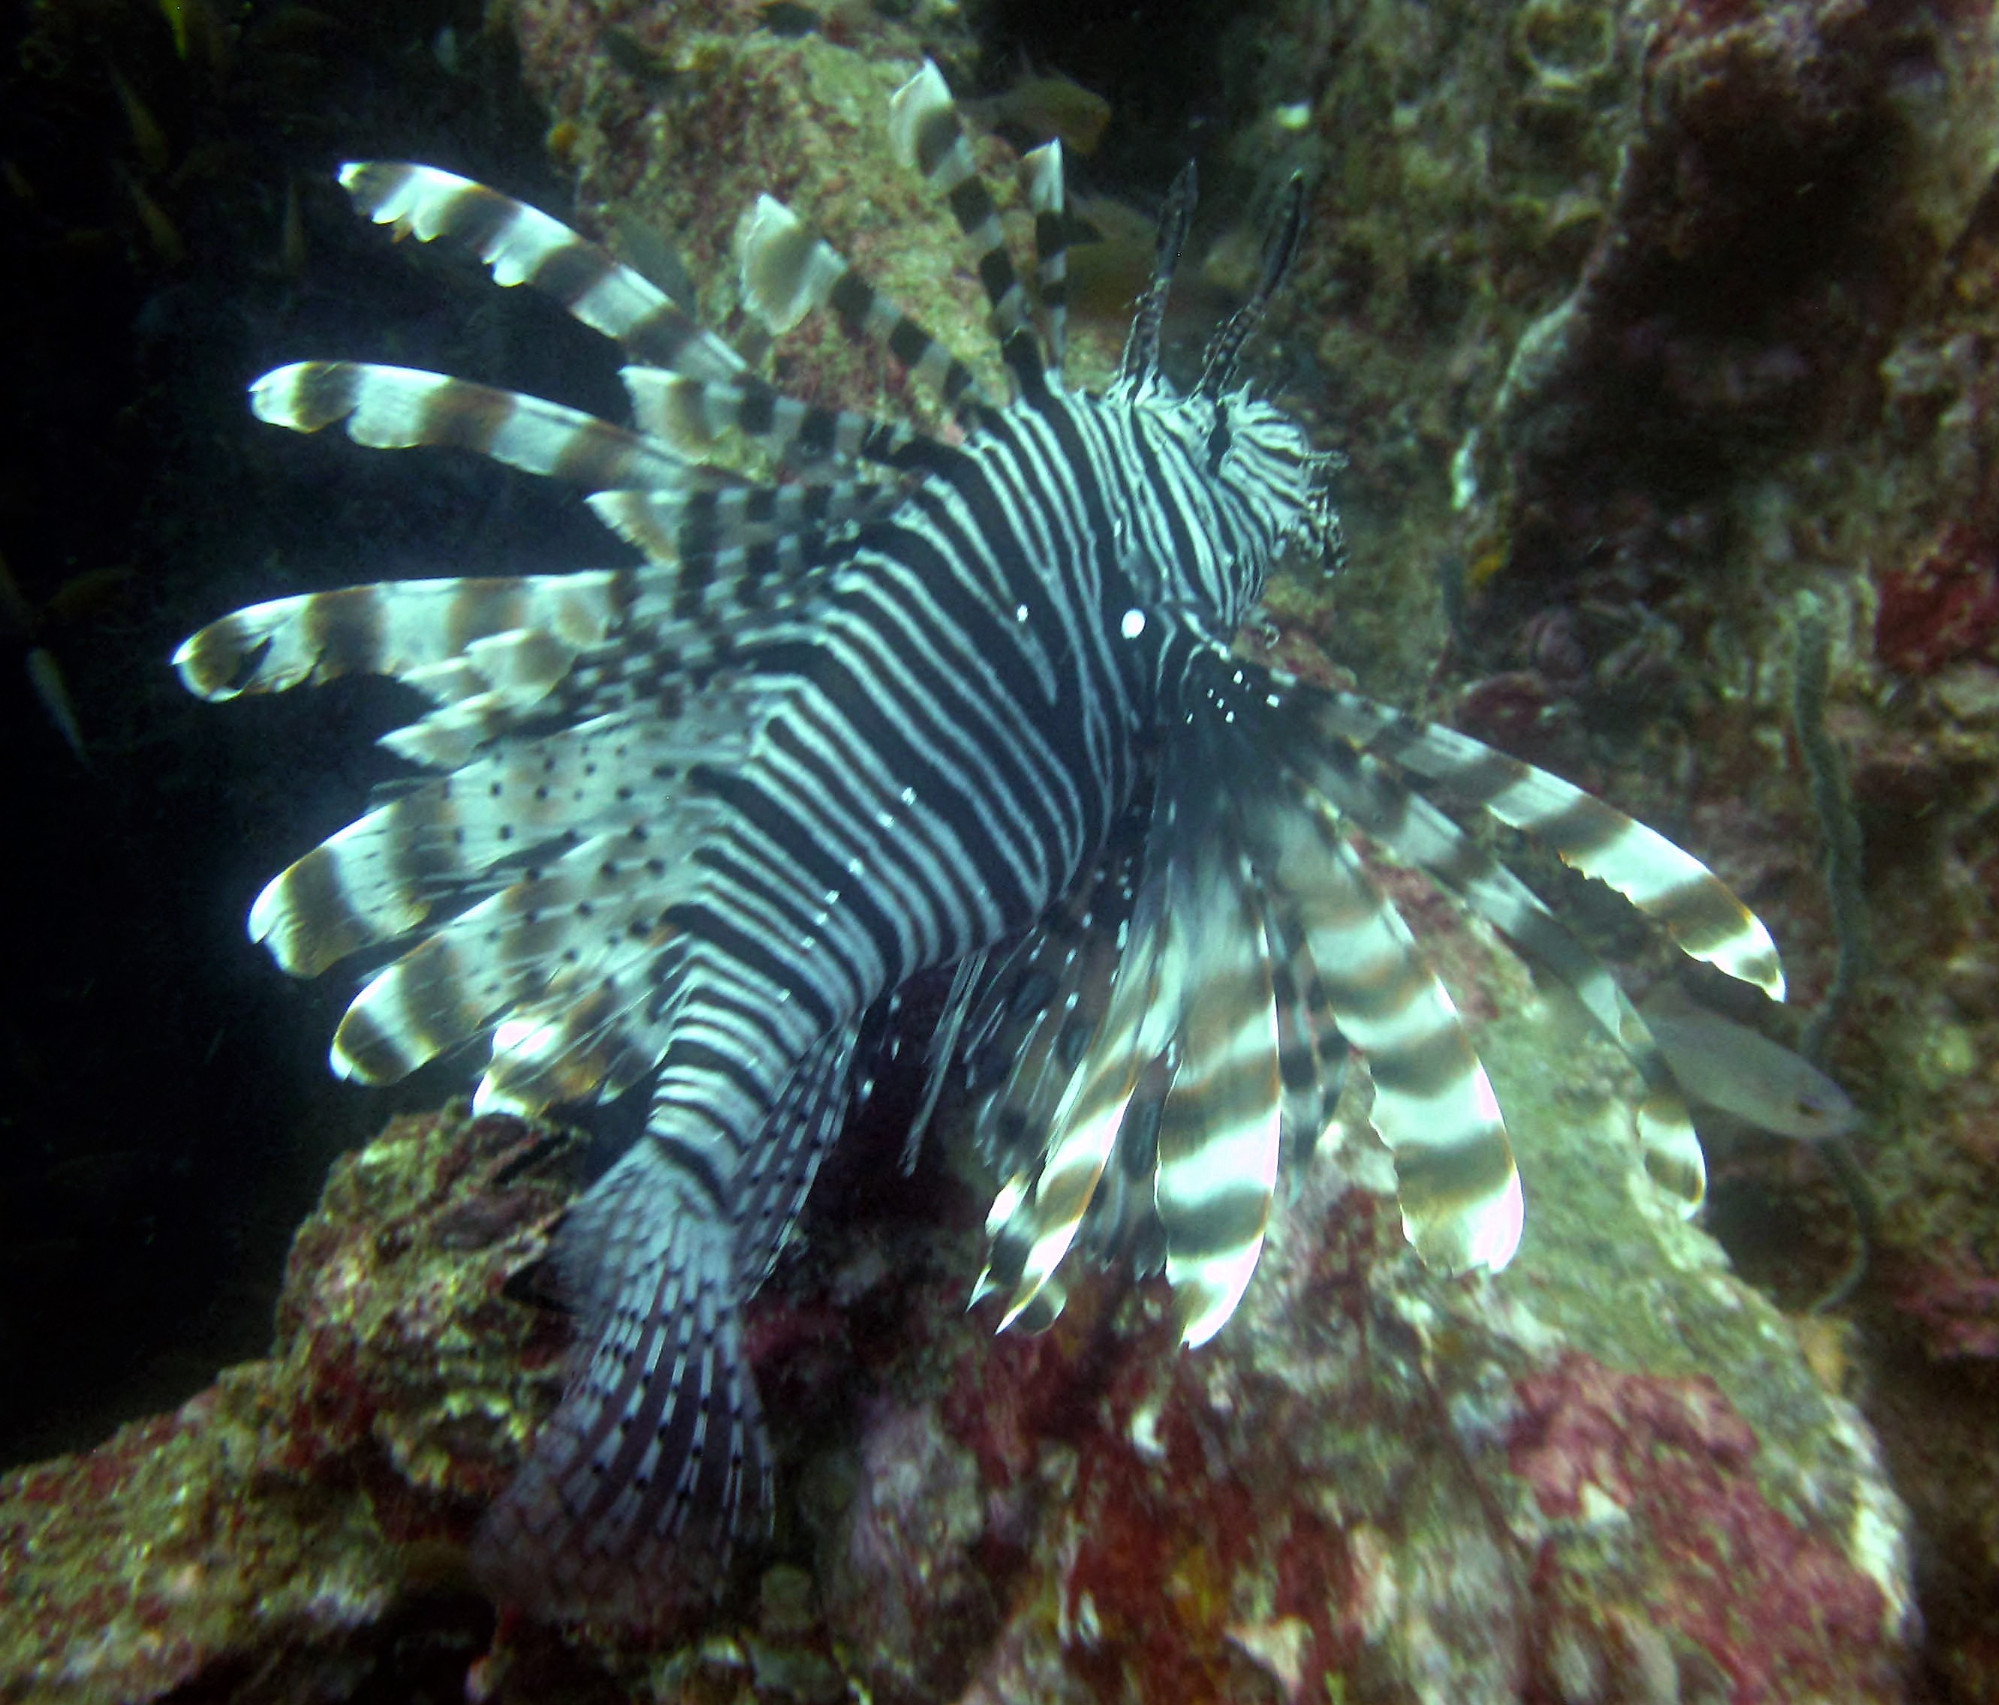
(1609, 1470)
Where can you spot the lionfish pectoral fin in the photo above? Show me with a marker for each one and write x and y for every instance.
(657, 1452)
(1403, 823)
(1433, 1103)
(1664, 881)
(1088, 1076)
(1221, 1125)
(1672, 1150)
(522, 245)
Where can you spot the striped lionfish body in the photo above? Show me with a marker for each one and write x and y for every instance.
(904, 704)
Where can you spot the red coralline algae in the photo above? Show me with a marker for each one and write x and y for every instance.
(1954, 1301)
(1942, 607)
(1764, 1599)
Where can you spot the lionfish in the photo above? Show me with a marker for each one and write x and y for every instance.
(905, 704)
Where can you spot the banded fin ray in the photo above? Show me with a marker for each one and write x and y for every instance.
(1047, 200)
(522, 245)
(694, 417)
(492, 654)
(1039, 1004)
(1050, 1200)
(925, 132)
(1662, 880)
(400, 628)
(498, 955)
(788, 271)
(400, 408)
(1412, 829)
(677, 526)
(382, 875)
(1221, 1118)
(1433, 1104)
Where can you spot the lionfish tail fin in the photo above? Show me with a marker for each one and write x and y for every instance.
(656, 1458)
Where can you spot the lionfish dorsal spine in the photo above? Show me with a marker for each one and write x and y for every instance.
(1138, 371)
(1047, 200)
(926, 132)
(787, 271)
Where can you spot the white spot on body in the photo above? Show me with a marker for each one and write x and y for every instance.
(1133, 624)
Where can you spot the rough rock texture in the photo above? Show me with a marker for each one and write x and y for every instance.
(291, 1532)
(1609, 1469)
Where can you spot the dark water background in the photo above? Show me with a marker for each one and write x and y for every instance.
(166, 1116)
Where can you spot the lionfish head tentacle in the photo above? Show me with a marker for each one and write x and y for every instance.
(1139, 370)
(1224, 351)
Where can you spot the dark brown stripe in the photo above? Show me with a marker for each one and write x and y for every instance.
(1395, 984)
(908, 342)
(757, 412)
(661, 337)
(594, 455)
(1704, 917)
(1432, 1181)
(473, 215)
(342, 631)
(478, 609)
(936, 134)
(316, 918)
(323, 392)
(852, 300)
(1227, 1220)
(958, 379)
(374, 1055)
(468, 416)
(571, 272)
(421, 846)
(1426, 1066)
(1581, 828)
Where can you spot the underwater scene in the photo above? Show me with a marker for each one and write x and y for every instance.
(985, 852)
